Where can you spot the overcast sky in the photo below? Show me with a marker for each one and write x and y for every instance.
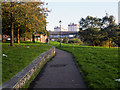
(71, 11)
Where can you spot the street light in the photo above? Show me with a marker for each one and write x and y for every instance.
(47, 35)
(60, 32)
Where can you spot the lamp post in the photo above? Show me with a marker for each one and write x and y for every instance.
(47, 34)
(60, 32)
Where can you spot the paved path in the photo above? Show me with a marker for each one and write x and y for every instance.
(60, 72)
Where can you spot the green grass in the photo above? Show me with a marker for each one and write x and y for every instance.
(98, 65)
(19, 57)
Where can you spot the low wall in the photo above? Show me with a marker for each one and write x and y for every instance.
(20, 78)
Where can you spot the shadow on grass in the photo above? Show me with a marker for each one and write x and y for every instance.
(26, 43)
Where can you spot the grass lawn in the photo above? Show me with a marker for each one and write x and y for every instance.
(19, 57)
(98, 65)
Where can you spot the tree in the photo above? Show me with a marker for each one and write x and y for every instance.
(90, 27)
(109, 24)
(23, 17)
(10, 16)
(96, 30)
(37, 18)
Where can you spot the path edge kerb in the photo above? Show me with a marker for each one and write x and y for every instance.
(24, 75)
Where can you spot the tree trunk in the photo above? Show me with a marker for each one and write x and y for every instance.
(109, 43)
(18, 36)
(89, 43)
(33, 36)
(2, 37)
(37, 38)
(24, 38)
(118, 42)
(12, 35)
(12, 28)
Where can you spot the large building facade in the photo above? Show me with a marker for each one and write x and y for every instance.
(119, 12)
(71, 32)
(73, 27)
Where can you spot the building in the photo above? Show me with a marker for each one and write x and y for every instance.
(38, 37)
(119, 12)
(62, 34)
(71, 32)
(0, 37)
(73, 27)
(58, 29)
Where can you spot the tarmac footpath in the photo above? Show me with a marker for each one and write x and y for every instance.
(59, 72)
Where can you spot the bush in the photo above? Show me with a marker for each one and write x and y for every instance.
(105, 43)
(113, 44)
(65, 40)
(76, 40)
(59, 40)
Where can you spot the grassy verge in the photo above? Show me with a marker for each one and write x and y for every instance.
(19, 57)
(99, 66)
(34, 75)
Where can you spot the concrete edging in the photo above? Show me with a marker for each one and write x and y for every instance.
(20, 78)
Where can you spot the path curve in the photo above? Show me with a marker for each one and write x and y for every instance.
(60, 72)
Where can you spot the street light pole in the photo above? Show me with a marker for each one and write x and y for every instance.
(47, 35)
(60, 32)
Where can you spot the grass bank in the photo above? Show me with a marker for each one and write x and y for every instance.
(19, 57)
(98, 65)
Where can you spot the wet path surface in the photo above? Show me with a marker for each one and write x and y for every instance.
(60, 72)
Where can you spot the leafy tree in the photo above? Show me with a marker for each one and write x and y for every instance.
(109, 27)
(19, 17)
(36, 18)
(96, 30)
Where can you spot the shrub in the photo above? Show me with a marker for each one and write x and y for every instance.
(59, 40)
(65, 40)
(105, 43)
(113, 44)
(76, 40)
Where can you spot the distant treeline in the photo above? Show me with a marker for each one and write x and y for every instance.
(99, 31)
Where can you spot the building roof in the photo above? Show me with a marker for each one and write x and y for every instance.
(57, 27)
(73, 24)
